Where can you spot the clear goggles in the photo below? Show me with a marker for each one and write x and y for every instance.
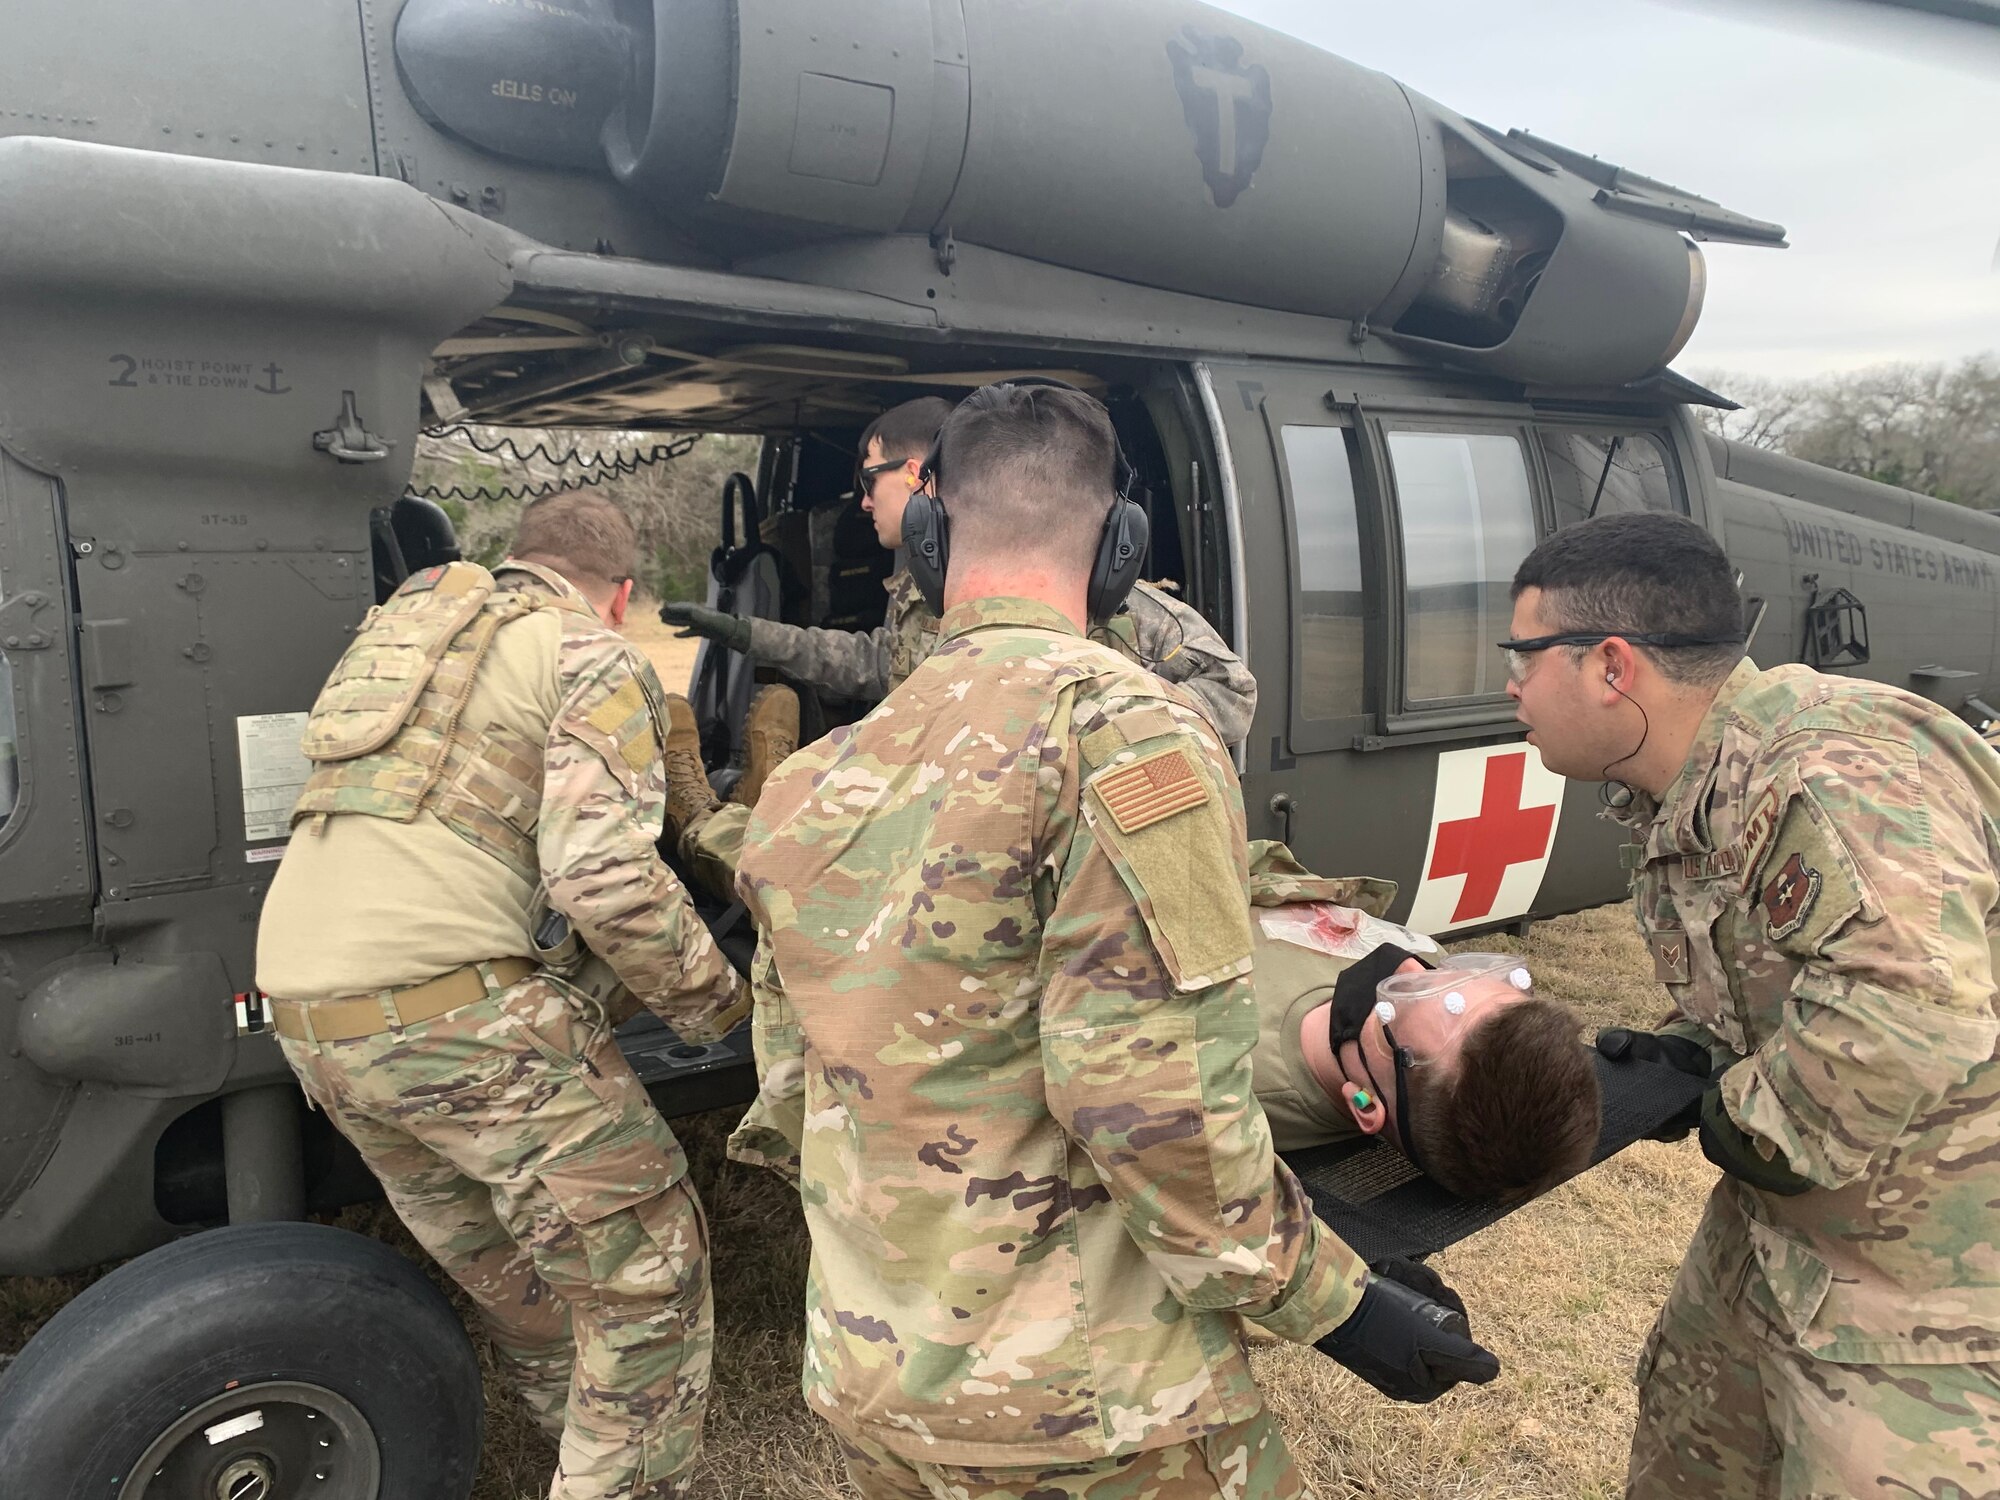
(1451, 987)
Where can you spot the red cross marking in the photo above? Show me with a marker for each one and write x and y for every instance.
(1505, 833)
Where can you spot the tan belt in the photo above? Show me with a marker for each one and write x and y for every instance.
(389, 1010)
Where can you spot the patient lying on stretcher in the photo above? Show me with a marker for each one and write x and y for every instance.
(1481, 1083)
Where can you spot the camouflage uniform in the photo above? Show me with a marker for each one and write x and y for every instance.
(1820, 889)
(1242, 1461)
(1291, 982)
(1003, 1024)
(473, 744)
(1155, 629)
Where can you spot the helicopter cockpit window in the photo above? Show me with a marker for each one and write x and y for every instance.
(1468, 519)
(10, 760)
(1594, 472)
(1330, 612)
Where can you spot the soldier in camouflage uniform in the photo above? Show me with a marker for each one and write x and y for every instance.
(1002, 1025)
(1155, 629)
(1816, 868)
(489, 737)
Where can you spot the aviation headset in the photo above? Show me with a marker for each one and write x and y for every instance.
(1121, 549)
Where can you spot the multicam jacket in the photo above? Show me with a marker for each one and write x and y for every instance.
(571, 799)
(1156, 630)
(1820, 889)
(1003, 1026)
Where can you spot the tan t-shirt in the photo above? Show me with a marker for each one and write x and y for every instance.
(368, 903)
(1290, 982)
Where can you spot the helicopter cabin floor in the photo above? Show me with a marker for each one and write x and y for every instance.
(1563, 1290)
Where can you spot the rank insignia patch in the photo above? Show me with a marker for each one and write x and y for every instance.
(1789, 898)
(1670, 956)
(1141, 794)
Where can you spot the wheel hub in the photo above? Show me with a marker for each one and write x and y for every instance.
(247, 1479)
(272, 1440)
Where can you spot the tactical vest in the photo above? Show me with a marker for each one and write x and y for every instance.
(384, 735)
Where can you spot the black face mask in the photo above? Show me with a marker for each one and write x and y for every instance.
(1353, 1004)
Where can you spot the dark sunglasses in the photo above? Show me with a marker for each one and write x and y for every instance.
(867, 474)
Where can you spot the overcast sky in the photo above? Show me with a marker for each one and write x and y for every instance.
(1872, 135)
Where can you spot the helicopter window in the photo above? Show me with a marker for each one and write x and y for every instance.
(1321, 473)
(1468, 519)
(1594, 472)
(10, 761)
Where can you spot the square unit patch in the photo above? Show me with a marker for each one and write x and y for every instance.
(1141, 794)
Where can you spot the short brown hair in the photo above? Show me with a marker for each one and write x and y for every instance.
(907, 431)
(1028, 468)
(1518, 1114)
(1643, 573)
(584, 537)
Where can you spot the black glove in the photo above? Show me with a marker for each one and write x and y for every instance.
(1409, 1346)
(1422, 1280)
(730, 630)
(1667, 1051)
(1734, 1149)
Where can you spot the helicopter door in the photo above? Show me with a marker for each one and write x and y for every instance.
(45, 866)
(1384, 742)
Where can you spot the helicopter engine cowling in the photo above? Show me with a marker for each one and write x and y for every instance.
(1161, 142)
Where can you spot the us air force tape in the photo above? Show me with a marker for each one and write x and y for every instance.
(1369, 1194)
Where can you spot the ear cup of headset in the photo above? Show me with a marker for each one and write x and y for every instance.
(927, 545)
(1121, 548)
(1121, 553)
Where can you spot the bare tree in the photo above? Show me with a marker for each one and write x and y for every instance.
(1931, 428)
(1769, 409)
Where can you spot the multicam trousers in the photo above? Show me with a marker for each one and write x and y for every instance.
(712, 847)
(1731, 1409)
(513, 1139)
(1245, 1461)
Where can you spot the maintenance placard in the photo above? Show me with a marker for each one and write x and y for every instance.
(274, 773)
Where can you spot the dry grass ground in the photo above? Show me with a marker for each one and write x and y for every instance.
(1563, 1291)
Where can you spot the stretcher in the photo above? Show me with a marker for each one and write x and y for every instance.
(1370, 1195)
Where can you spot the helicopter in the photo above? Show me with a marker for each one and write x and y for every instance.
(1361, 351)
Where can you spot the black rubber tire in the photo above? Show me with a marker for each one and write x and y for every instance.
(304, 1303)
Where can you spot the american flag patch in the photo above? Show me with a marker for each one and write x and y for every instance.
(1141, 794)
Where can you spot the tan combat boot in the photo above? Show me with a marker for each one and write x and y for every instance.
(690, 799)
(770, 733)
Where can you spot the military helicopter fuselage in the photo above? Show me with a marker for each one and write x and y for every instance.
(1362, 351)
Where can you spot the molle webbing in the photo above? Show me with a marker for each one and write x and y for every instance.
(384, 735)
